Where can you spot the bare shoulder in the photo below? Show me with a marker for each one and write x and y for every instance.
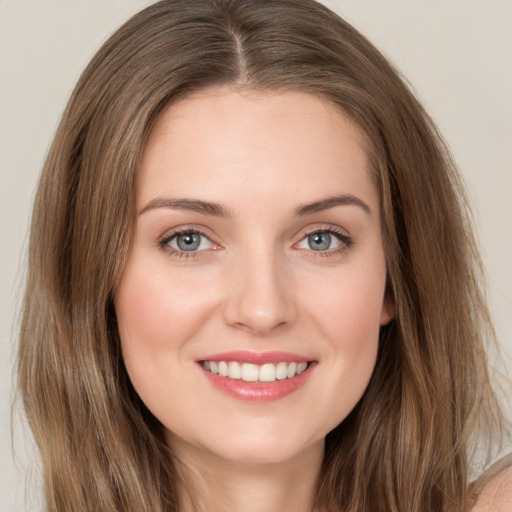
(496, 494)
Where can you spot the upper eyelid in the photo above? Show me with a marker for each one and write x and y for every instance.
(173, 232)
(342, 237)
(320, 228)
(187, 232)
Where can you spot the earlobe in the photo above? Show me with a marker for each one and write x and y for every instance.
(388, 311)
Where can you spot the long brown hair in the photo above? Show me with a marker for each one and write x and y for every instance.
(405, 446)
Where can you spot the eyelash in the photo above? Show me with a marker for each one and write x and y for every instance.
(345, 240)
(163, 243)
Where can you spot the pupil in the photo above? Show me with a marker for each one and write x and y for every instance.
(319, 241)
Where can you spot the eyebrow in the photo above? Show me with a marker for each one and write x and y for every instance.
(217, 210)
(330, 202)
(193, 205)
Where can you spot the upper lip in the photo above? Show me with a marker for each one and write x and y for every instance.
(247, 356)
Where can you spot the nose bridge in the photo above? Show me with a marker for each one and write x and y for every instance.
(260, 298)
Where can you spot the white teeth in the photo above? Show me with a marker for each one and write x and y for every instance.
(267, 373)
(249, 372)
(281, 371)
(234, 370)
(223, 369)
(301, 367)
(292, 369)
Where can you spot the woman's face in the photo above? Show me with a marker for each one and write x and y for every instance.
(257, 253)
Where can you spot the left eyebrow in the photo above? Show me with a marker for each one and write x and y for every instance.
(331, 202)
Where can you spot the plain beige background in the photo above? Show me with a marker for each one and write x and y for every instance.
(455, 53)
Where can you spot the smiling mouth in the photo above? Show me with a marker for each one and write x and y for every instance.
(248, 372)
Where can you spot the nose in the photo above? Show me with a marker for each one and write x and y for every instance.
(260, 294)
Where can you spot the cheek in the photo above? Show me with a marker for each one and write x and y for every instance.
(347, 314)
(157, 311)
(353, 335)
(349, 306)
(158, 314)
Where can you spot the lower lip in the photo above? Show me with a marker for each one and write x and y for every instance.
(259, 391)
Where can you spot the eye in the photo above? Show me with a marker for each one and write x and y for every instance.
(325, 240)
(188, 241)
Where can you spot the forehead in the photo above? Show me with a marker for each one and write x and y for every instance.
(245, 144)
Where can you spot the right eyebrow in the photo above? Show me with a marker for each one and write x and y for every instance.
(193, 205)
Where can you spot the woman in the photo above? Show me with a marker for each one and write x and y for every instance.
(252, 284)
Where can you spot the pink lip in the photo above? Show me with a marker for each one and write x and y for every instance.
(258, 391)
(246, 356)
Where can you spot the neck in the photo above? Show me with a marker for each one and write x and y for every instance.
(216, 485)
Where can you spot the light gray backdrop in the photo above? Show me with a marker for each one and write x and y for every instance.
(455, 53)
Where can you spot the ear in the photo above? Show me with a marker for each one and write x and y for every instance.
(388, 310)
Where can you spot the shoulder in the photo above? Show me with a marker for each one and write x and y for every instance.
(493, 490)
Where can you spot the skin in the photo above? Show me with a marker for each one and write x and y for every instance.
(255, 284)
(496, 496)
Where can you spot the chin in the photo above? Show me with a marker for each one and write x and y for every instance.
(250, 447)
